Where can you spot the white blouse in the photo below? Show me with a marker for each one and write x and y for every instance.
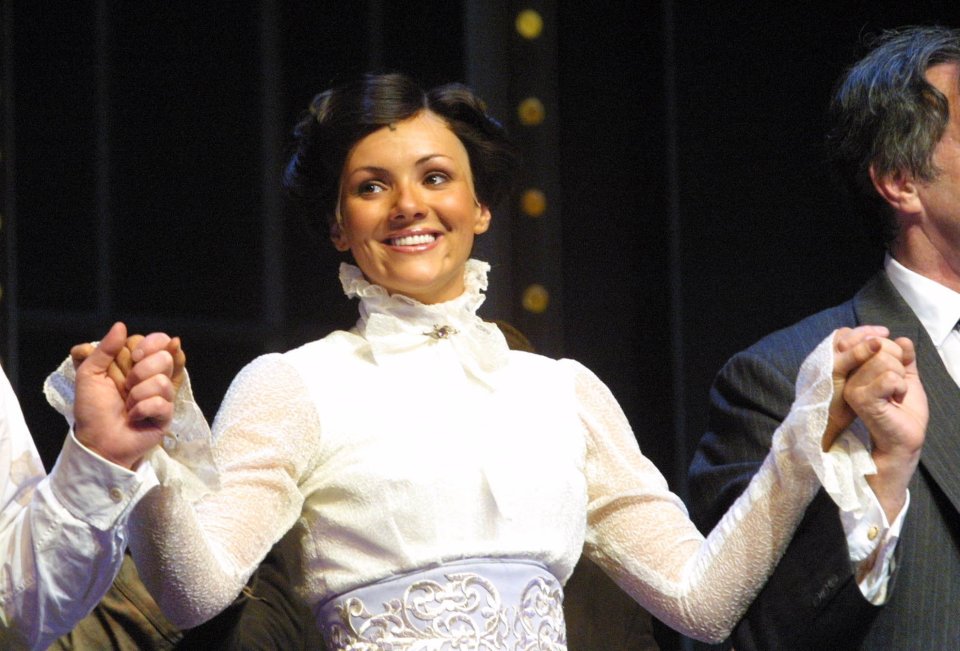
(419, 438)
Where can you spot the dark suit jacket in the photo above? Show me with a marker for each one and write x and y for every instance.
(812, 600)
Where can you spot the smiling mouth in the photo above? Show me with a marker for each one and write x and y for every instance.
(413, 240)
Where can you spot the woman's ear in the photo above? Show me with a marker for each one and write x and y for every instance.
(339, 240)
(483, 219)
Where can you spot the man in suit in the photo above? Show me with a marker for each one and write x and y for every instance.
(896, 143)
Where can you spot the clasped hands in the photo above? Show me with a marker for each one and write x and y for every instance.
(875, 378)
(125, 388)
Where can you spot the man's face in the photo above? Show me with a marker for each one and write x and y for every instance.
(940, 198)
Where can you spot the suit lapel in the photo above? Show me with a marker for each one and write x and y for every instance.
(878, 303)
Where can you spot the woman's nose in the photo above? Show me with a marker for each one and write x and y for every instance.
(409, 204)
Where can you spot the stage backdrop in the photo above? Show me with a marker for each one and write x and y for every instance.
(683, 210)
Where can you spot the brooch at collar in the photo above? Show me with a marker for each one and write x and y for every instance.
(441, 332)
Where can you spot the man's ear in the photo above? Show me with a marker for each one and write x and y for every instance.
(898, 189)
(339, 240)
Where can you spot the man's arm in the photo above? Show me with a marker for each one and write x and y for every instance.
(62, 537)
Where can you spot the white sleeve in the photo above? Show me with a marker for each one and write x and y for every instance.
(61, 537)
(195, 554)
(871, 539)
(640, 534)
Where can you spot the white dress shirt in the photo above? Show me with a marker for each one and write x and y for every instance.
(938, 309)
(62, 536)
(936, 306)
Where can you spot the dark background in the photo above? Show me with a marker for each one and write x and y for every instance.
(689, 208)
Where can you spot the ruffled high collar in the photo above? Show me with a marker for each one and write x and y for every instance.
(394, 324)
(375, 299)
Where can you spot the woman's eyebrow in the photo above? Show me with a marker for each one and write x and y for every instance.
(428, 157)
(373, 169)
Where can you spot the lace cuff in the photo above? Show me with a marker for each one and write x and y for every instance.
(186, 458)
(842, 470)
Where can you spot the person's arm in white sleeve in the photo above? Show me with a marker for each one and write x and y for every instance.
(62, 537)
(640, 533)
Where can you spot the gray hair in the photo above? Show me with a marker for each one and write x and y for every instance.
(887, 115)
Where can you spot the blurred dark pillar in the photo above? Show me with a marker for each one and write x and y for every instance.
(271, 145)
(486, 30)
(511, 60)
(8, 205)
(677, 472)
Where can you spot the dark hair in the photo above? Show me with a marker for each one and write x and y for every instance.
(886, 114)
(340, 117)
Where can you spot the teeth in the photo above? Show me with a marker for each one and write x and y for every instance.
(413, 240)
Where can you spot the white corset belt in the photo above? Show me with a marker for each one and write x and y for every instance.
(482, 604)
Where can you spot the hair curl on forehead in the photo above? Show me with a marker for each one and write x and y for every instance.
(340, 117)
(886, 115)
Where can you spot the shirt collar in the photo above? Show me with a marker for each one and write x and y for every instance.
(396, 325)
(937, 306)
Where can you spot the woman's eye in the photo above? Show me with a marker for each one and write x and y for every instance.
(436, 178)
(369, 187)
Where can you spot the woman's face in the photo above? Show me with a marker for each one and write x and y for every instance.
(409, 209)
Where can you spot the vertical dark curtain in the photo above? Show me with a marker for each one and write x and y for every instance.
(693, 212)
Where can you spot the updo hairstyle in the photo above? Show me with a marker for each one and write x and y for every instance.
(340, 117)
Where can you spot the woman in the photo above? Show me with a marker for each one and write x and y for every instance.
(434, 486)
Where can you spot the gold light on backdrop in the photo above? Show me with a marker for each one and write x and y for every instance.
(533, 203)
(536, 298)
(531, 112)
(529, 24)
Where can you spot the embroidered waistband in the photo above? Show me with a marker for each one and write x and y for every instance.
(481, 604)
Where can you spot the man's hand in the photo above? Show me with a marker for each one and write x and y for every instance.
(121, 417)
(121, 365)
(883, 389)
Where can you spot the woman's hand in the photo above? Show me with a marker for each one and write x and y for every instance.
(876, 380)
